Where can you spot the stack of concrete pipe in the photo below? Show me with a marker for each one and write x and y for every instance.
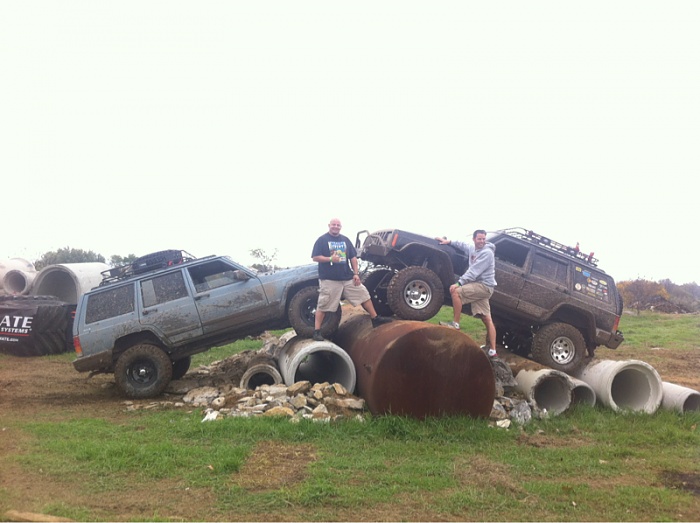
(65, 281)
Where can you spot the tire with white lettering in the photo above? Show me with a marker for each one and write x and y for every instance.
(302, 314)
(143, 371)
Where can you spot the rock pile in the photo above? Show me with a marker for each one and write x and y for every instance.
(215, 389)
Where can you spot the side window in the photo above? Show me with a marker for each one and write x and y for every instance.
(162, 289)
(511, 252)
(212, 275)
(110, 303)
(549, 268)
(591, 283)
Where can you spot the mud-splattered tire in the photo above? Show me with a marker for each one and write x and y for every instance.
(181, 366)
(143, 371)
(559, 346)
(377, 283)
(302, 314)
(416, 293)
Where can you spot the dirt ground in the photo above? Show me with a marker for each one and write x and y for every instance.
(50, 389)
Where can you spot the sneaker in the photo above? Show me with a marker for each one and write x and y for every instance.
(491, 352)
(452, 324)
(317, 336)
(380, 320)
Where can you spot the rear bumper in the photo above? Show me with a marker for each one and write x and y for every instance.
(94, 363)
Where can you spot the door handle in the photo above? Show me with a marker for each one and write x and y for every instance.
(197, 298)
(149, 311)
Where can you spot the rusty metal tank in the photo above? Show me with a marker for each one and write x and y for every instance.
(417, 369)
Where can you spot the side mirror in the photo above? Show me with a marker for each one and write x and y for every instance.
(240, 275)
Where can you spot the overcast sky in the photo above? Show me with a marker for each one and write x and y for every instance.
(221, 127)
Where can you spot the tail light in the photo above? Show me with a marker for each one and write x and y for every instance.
(76, 344)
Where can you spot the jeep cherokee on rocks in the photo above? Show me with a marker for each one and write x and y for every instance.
(551, 304)
(146, 319)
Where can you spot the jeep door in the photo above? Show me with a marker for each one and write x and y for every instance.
(546, 286)
(227, 295)
(168, 307)
(511, 258)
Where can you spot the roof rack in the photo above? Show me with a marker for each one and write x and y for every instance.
(543, 241)
(145, 264)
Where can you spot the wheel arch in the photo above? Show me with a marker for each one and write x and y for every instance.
(582, 320)
(136, 338)
(414, 254)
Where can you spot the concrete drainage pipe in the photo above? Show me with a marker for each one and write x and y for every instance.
(18, 282)
(14, 264)
(681, 399)
(303, 359)
(68, 281)
(582, 393)
(547, 389)
(624, 385)
(261, 371)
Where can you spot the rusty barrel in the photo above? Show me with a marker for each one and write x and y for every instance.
(418, 369)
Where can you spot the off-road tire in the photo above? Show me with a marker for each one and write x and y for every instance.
(181, 366)
(143, 371)
(377, 283)
(559, 346)
(415, 293)
(302, 312)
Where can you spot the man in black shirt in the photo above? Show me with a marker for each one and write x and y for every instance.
(338, 277)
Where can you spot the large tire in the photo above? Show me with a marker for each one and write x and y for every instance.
(143, 371)
(302, 314)
(560, 346)
(377, 283)
(415, 293)
(181, 366)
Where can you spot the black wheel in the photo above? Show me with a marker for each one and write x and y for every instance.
(181, 366)
(302, 314)
(377, 282)
(415, 293)
(516, 341)
(560, 346)
(143, 371)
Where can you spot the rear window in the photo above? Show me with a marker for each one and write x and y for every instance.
(162, 289)
(591, 283)
(109, 303)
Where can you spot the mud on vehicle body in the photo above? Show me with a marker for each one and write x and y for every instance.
(146, 320)
(551, 304)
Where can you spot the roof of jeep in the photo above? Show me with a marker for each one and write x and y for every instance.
(532, 238)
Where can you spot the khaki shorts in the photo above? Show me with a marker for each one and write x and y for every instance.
(332, 291)
(477, 294)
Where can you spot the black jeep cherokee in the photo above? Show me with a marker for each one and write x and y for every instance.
(551, 304)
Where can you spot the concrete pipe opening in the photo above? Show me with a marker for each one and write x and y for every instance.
(679, 398)
(548, 390)
(14, 264)
(260, 374)
(582, 393)
(624, 385)
(68, 281)
(303, 359)
(18, 282)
